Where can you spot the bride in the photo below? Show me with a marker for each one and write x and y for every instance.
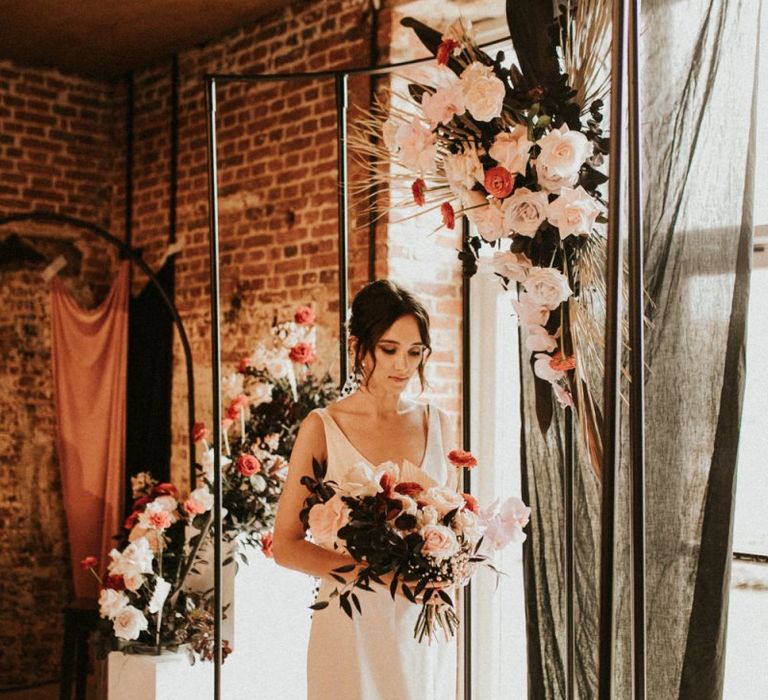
(373, 656)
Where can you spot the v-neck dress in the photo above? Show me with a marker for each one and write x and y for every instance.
(374, 655)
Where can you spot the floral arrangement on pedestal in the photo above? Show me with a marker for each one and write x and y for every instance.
(268, 396)
(143, 596)
(519, 153)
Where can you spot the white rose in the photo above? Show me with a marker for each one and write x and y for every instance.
(135, 558)
(258, 482)
(488, 217)
(162, 589)
(573, 212)
(277, 368)
(129, 623)
(525, 211)
(463, 170)
(359, 481)
(111, 602)
(483, 92)
(443, 499)
(511, 149)
(553, 183)
(542, 368)
(259, 358)
(539, 340)
(513, 266)
(530, 313)
(133, 581)
(466, 523)
(439, 542)
(563, 152)
(207, 463)
(204, 497)
(232, 386)
(168, 503)
(427, 516)
(547, 287)
(260, 393)
(442, 105)
(418, 146)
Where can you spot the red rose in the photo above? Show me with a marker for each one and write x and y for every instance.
(199, 432)
(462, 459)
(418, 188)
(499, 182)
(303, 354)
(449, 217)
(562, 364)
(116, 582)
(88, 563)
(444, 50)
(266, 544)
(165, 490)
(248, 465)
(470, 502)
(245, 363)
(130, 521)
(304, 316)
(140, 502)
(239, 402)
(408, 488)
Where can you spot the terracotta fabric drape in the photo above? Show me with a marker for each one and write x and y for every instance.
(90, 354)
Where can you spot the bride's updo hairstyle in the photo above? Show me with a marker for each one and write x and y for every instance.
(374, 309)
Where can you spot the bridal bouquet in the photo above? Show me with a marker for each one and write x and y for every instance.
(268, 396)
(143, 594)
(428, 539)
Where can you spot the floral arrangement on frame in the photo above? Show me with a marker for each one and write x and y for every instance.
(519, 151)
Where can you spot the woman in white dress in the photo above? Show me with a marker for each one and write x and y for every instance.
(373, 656)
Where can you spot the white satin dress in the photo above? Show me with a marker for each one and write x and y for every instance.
(374, 655)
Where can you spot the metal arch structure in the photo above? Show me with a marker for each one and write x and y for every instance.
(621, 45)
(135, 257)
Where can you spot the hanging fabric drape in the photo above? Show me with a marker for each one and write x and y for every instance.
(150, 368)
(698, 64)
(89, 372)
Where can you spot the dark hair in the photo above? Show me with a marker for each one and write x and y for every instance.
(374, 309)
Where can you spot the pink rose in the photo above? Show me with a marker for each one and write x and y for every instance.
(193, 507)
(418, 146)
(507, 525)
(539, 340)
(326, 519)
(302, 353)
(513, 266)
(574, 212)
(547, 287)
(304, 316)
(445, 103)
(160, 520)
(439, 542)
(529, 313)
(525, 211)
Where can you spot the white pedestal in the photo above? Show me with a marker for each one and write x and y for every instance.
(165, 677)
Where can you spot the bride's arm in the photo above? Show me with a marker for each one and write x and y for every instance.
(289, 547)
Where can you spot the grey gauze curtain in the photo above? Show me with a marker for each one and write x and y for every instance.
(698, 64)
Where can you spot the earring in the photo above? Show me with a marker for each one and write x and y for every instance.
(351, 385)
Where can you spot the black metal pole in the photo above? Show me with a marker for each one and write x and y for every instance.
(341, 145)
(569, 559)
(213, 213)
(466, 430)
(637, 357)
(611, 406)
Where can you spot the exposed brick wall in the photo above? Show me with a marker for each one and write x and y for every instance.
(56, 154)
(62, 148)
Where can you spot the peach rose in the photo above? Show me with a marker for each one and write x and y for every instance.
(326, 519)
(547, 287)
(511, 149)
(445, 103)
(302, 353)
(439, 542)
(525, 211)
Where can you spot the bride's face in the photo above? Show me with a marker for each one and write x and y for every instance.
(398, 354)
